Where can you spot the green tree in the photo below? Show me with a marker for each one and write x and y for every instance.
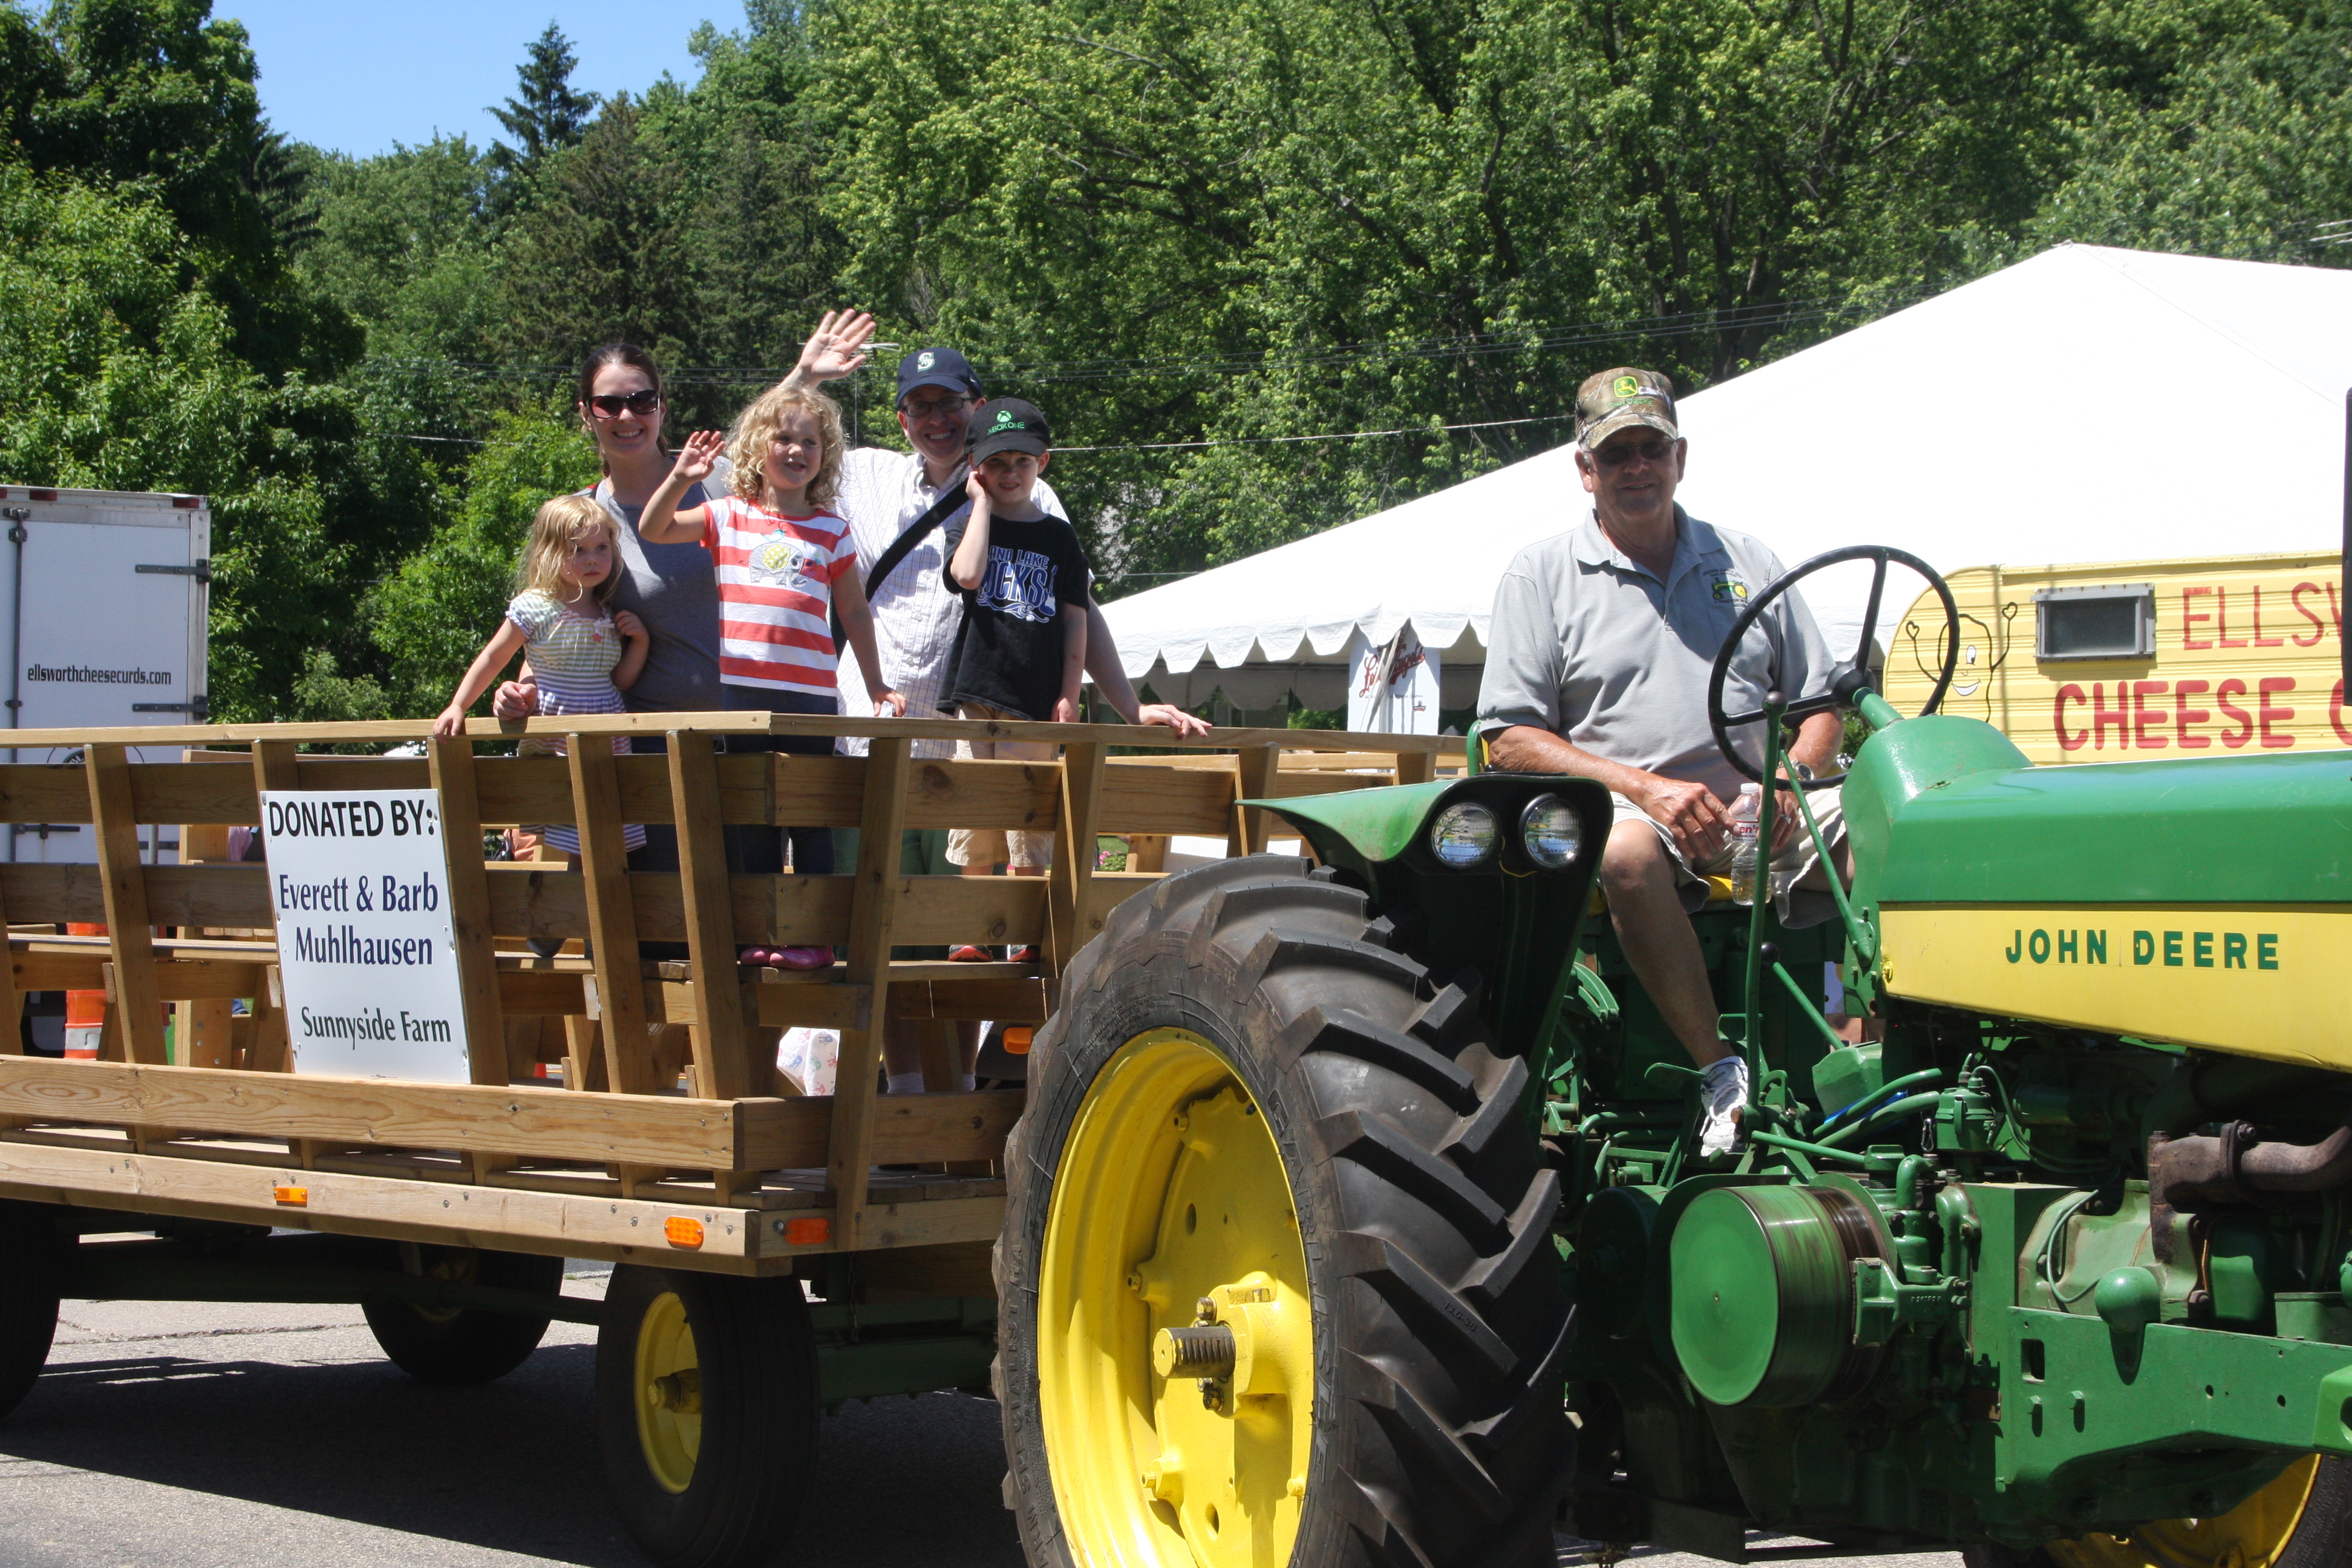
(1236, 222)
(154, 94)
(548, 117)
(2220, 131)
(762, 256)
(127, 378)
(432, 617)
(601, 253)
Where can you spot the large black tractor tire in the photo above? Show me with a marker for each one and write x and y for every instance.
(464, 1345)
(2321, 1536)
(32, 1269)
(707, 1412)
(2302, 1520)
(1423, 1218)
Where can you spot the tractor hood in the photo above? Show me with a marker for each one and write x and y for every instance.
(2204, 901)
(2272, 828)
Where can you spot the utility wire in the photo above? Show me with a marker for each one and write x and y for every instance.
(1334, 435)
(1174, 445)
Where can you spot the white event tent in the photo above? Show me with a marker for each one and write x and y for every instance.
(2088, 404)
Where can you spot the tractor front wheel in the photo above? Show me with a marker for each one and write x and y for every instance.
(1276, 1274)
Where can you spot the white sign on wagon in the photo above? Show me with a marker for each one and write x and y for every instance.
(360, 883)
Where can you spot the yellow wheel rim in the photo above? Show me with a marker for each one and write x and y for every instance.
(2254, 1534)
(669, 1393)
(1171, 1190)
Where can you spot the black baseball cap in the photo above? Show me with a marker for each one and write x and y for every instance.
(936, 367)
(1008, 424)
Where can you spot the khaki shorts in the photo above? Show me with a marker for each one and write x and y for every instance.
(1797, 868)
(1000, 846)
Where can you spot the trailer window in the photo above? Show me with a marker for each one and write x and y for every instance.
(2116, 622)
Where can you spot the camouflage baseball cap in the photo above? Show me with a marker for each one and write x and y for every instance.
(1617, 399)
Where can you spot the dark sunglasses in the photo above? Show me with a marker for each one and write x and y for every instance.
(641, 403)
(1618, 457)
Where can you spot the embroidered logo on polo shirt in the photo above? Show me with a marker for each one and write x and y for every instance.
(1730, 588)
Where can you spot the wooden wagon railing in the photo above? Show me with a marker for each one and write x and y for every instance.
(726, 1172)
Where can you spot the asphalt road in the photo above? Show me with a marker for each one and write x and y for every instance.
(191, 1435)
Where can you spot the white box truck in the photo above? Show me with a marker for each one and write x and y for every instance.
(103, 596)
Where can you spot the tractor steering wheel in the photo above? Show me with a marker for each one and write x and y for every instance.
(1850, 678)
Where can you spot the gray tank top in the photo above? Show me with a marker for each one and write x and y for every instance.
(675, 591)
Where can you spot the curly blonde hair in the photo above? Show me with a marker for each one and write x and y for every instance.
(756, 426)
(559, 523)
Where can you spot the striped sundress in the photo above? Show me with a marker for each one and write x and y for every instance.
(572, 658)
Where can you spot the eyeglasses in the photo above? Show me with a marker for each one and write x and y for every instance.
(931, 408)
(644, 404)
(1618, 457)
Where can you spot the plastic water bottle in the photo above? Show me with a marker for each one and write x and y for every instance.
(1745, 823)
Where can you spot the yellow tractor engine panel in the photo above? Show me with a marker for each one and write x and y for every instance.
(2236, 979)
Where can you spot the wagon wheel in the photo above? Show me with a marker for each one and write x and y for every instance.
(2299, 1520)
(32, 1268)
(1276, 1276)
(707, 1412)
(463, 1344)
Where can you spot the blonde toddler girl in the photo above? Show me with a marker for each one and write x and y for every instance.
(583, 656)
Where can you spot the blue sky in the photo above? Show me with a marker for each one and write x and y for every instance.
(358, 77)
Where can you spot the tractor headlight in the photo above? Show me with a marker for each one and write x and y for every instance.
(1550, 831)
(1464, 835)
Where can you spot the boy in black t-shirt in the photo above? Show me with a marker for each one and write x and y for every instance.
(1020, 649)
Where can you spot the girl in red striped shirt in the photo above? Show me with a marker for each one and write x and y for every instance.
(785, 562)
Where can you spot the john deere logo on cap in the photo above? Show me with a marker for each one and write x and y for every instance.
(925, 360)
(1625, 387)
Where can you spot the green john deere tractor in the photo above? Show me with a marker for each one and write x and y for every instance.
(1358, 1215)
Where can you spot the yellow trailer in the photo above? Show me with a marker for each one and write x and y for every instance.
(2128, 660)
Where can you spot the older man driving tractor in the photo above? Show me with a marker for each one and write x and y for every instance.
(1598, 659)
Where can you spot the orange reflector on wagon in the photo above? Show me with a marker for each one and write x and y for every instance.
(1016, 1040)
(682, 1231)
(810, 1231)
(293, 1198)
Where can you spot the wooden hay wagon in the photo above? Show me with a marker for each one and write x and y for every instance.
(777, 1252)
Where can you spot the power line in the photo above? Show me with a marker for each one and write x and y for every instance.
(1177, 445)
(1333, 435)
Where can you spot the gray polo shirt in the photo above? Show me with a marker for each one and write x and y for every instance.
(1593, 648)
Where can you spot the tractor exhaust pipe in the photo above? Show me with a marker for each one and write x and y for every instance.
(2188, 1173)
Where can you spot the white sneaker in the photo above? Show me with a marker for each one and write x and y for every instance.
(1723, 1087)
